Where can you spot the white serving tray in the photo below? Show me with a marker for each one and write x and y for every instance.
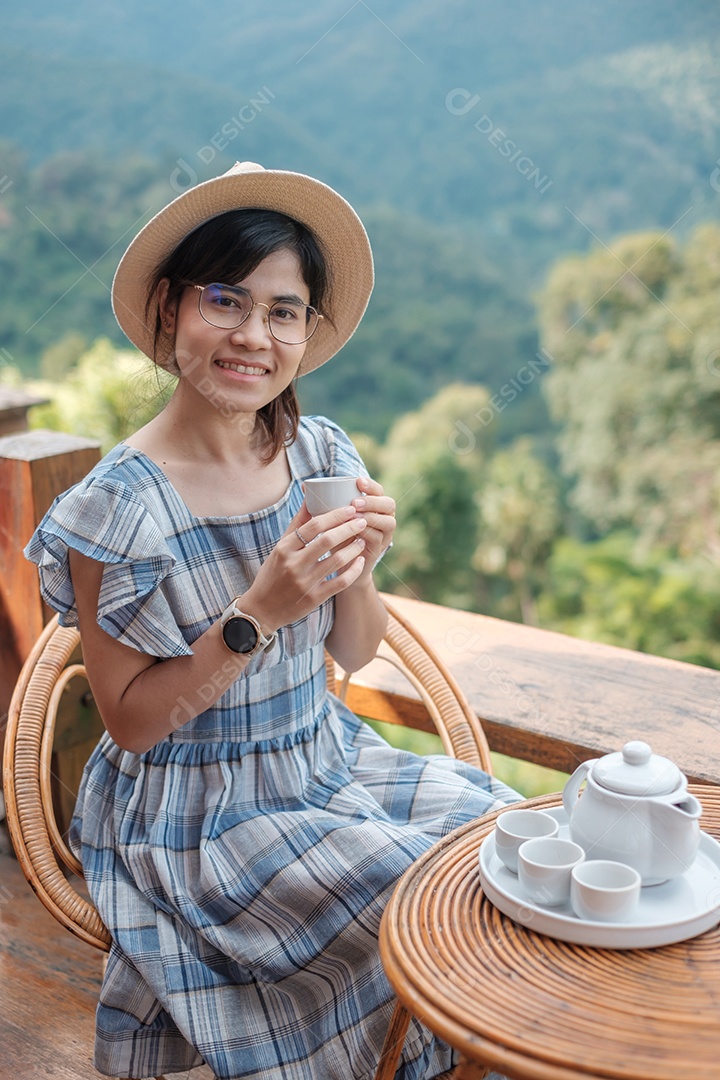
(674, 911)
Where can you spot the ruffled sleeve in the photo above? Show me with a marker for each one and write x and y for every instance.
(104, 519)
(345, 459)
(326, 450)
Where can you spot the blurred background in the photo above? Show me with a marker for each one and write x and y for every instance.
(537, 378)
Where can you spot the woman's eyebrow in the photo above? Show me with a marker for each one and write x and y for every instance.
(289, 298)
(282, 298)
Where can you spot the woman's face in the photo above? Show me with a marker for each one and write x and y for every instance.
(240, 369)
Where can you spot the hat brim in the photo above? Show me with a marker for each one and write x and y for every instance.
(337, 227)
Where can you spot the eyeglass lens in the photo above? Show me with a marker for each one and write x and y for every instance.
(227, 307)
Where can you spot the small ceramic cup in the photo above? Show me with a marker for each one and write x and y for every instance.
(514, 827)
(323, 493)
(544, 868)
(604, 891)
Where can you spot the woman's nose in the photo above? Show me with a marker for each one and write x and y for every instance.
(254, 333)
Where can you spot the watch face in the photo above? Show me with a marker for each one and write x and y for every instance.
(240, 635)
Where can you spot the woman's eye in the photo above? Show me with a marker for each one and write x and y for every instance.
(226, 300)
(221, 298)
(285, 314)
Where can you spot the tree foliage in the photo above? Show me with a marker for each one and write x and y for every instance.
(479, 527)
(520, 518)
(475, 524)
(440, 313)
(434, 490)
(62, 227)
(611, 590)
(634, 333)
(107, 395)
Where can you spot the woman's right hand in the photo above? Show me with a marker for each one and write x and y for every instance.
(294, 580)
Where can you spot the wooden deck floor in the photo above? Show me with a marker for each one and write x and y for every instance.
(49, 983)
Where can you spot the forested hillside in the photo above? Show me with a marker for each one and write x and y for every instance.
(441, 309)
(618, 539)
(537, 378)
(449, 113)
(480, 141)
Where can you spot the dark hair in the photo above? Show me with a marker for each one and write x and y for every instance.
(227, 248)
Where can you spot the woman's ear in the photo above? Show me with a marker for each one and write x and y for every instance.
(167, 308)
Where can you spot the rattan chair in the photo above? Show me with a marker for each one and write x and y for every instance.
(28, 771)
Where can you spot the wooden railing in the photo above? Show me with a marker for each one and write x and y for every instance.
(556, 700)
(543, 697)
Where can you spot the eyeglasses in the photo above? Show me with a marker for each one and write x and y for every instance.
(228, 306)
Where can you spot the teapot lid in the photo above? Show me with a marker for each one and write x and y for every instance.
(637, 771)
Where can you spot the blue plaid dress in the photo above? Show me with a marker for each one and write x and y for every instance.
(243, 863)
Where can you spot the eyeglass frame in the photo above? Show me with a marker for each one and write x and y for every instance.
(254, 304)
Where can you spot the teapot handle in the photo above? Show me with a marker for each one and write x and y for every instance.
(572, 787)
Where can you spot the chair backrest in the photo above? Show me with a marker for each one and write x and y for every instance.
(27, 783)
(28, 772)
(451, 714)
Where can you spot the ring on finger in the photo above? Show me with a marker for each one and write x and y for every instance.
(302, 539)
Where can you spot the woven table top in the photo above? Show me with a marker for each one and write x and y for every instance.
(538, 1008)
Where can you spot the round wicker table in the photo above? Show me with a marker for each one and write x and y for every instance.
(536, 1008)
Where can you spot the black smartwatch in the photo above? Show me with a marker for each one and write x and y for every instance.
(242, 633)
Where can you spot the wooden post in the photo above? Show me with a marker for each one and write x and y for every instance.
(35, 466)
(14, 406)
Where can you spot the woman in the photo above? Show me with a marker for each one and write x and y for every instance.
(239, 828)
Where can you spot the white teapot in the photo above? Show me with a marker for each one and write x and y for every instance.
(635, 809)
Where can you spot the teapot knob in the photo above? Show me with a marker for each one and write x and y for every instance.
(636, 753)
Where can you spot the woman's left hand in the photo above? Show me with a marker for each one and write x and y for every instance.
(360, 617)
(379, 511)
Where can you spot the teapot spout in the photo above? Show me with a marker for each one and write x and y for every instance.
(689, 806)
(676, 832)
(676, 811)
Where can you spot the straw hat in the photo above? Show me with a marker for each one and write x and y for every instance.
(335, 224)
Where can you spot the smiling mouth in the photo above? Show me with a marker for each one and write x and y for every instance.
(243, 369)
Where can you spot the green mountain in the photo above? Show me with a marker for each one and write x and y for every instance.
(533, 121)
(440, 311)
(480, 140)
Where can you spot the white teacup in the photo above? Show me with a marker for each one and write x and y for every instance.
(514, 827)
(323, 493)
(544, 868)
(605, 891)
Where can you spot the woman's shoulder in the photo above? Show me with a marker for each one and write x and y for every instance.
(110, 515)
(123, 465)
(124, 477)
(323, 447)
(107, 518)
(318, 427)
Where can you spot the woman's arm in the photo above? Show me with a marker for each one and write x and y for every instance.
(143, 699)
